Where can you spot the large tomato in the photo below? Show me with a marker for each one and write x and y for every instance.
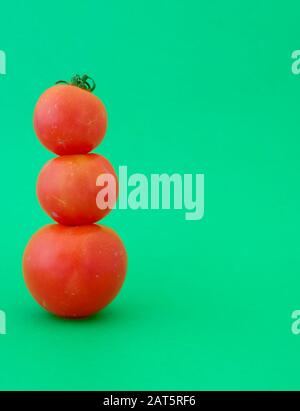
(69, 119)
(67, 189)
(74, 271)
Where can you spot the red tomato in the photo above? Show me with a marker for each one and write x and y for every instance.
(69, 120)
(67, 189)
(74, 271)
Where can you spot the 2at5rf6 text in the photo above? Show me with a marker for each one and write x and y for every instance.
(170, 400)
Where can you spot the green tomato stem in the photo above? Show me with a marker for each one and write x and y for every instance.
(85, 82)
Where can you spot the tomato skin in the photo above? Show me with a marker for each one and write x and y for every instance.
(69, 120)
(74, 271)
(67, 190)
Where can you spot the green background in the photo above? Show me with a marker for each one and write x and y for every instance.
(190, 87)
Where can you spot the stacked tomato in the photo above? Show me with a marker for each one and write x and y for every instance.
(73, 268)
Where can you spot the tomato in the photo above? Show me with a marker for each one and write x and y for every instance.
(69, 119)
(74, 271)
(67, 189)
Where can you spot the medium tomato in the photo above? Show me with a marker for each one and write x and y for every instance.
(69, 119)
(67, 189)
(74, 271)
